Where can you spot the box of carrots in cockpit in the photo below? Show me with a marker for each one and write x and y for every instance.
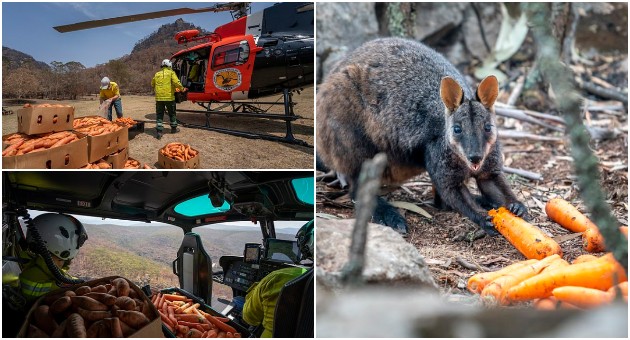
(187, 316)
(111, 307)
(178, 156)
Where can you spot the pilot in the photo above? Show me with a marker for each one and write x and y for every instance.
(193, 74)
(260, 302)
(58, 236)
(110, 90)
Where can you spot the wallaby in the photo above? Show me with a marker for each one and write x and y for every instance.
(400, 97)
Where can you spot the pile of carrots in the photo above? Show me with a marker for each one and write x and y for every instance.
(134, 164)
(46, 105)
(546, 278)
(534, 244)
(126, 121)
(97, 130)
(24, 145)
(103, 310)
(78, 123)
(589, 281)
(178, 151)
(184, 318)
(100, 164)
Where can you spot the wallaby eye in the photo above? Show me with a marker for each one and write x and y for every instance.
(457, 129)
(487, 127)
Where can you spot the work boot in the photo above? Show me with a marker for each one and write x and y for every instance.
(158, 135)
(174, 130)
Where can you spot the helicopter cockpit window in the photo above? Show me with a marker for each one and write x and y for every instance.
(236, 53)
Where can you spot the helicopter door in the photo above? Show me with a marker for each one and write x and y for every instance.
(230, 72)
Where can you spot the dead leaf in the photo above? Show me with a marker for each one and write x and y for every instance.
(411, 207)
(564, 238)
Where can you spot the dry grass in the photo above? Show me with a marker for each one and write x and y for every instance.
(217, 150)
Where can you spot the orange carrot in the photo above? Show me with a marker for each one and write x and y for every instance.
(166, 320)
(477, 282)
(582, 297)
(188, 317)
(220, 325)
(559, 263)
(600, 274)
(566, 215)
(528, 239)
(593, 240)
(549, 303)
(495, 291)
(584, 258)
(173, 297)
(622, 287)
(624, 230)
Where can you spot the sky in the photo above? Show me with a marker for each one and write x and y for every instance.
(28, 27)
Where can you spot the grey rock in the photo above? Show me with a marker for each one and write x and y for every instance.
(342, 27)
(435, 20)
(389, 259)
(490, 20)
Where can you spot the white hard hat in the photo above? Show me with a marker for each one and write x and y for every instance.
(61, 234)
(166, 62)
(104, 83)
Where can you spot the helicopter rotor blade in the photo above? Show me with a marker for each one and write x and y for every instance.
(232, 6)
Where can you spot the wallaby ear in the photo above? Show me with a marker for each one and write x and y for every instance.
(488, 91)
(451, 93)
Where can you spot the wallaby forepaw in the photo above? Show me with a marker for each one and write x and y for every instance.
(518, 209)
(488, 227)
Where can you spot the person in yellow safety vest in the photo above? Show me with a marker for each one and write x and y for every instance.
(261, 298)
(165, 83)
(110, 90)
(61, 236)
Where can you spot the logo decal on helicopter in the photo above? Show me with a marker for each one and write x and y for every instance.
(227, 79)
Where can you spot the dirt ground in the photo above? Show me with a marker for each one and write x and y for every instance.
(217, 150)
(436, 238)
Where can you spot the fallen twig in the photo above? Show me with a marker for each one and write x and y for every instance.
(527, 135)
(603, 92)
(534, 176)
(520, 115)
(471, 266)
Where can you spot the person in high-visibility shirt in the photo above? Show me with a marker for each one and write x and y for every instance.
(165, 83)
(61, 235)
(110, 90)
(261, 298)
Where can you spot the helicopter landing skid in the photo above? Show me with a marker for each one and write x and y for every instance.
(248, 110)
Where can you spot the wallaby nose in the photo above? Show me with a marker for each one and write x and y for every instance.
(474, 159)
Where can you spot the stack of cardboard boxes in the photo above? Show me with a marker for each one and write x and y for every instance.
(36, 122)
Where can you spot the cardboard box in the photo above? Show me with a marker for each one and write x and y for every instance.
(35, 120)
(70, 156)
(169, 163)
(103, 145)
(118, 159)
(152, 330)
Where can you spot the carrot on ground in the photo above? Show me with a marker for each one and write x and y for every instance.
(477, 282)
(620, 288)
(528, 239)
(582, 297)
(593, 240)
(600, 274)
(566, 215)
(495, 292)
(549, 303)
(559, 263)
(584, 258)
